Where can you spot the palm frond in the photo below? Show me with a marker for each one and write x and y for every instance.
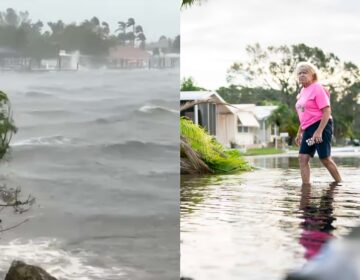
(202, 153)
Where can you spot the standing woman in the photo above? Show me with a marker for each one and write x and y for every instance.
(313, 108)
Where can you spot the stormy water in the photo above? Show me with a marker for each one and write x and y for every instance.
(98, 151)
(263, 224)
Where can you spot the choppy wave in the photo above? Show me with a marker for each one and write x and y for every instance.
(60, 263)
(109, 120)
(157, 109)
(144, 110)
(37, 94)
(47, 140)
(57, 144)
(139, 146)
(50, 113)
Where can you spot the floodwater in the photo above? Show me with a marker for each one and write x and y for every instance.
(96, 149)
(263, 224)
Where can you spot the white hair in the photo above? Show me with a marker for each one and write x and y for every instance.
(309, 67)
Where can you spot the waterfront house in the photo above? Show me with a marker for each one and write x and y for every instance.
(128, 57)
(11, 59)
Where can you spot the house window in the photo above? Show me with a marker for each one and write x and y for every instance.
(243, 129)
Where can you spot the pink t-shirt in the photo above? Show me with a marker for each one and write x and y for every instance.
(309, 103)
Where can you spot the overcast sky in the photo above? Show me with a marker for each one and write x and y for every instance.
(216, 33)
(157, 17)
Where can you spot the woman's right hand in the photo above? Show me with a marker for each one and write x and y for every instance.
(298, 139)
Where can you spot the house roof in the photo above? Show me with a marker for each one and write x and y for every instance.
(263, 112)
(247, 119)
(194, 95)
(245, 107)
(125, 52)
(203, 95)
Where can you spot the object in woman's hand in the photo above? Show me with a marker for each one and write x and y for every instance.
(310, 141)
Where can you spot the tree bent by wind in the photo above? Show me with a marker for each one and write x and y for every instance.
(9, 197)
(7, 126)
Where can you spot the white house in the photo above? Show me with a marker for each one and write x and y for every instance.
(247, 124)
(266, 132)
(253, 127)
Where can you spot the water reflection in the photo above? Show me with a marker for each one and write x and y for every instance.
(318, 218)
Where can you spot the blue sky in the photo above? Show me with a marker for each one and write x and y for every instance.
(215, 34)
(158, 17)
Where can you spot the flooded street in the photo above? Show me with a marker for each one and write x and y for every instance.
(263, 224)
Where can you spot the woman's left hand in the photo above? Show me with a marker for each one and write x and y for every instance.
(317, 137)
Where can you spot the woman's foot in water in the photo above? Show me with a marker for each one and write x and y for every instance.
(335, 183)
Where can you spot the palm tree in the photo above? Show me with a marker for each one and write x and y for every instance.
(139, 33)
(121, 26)
(105, 29)
(95, 25)
(95, 21)
(138, 29)
(131, 22)
(122, 35)
(141, 37)
(130, 36)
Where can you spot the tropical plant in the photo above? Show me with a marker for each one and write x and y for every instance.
(201, 153)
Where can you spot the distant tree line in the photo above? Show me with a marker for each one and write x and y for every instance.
(90, 37)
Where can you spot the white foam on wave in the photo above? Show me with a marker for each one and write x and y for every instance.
(46, 140)
(152, 108)
(47, 254)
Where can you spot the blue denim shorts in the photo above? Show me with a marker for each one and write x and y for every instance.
(324, 148)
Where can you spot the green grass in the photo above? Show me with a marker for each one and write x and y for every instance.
(262, 151)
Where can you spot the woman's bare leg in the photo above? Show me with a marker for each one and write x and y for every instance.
(304, 168)
(332, 168)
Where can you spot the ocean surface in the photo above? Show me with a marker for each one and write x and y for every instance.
(99, 152)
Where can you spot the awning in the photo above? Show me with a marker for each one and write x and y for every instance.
(247, 119)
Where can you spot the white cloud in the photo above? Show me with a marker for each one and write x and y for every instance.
(215, 34)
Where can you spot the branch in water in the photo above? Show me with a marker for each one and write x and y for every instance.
(15, 226)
